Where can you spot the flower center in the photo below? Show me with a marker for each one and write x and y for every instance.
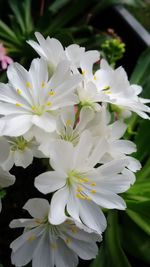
(18, 143)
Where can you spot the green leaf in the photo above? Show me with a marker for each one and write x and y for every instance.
(17, 12)
(135, 241)
(140, 189)
(57, 5)
(27, 15)
(111, 252)
(140, 71)
(139, 213)
(142, 141)
(7, 33)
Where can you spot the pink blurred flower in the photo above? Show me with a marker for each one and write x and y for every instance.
(4, 59)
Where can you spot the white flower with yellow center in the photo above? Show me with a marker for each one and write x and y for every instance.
(21, 152)
(6, 179)
(31, 98)
(115, 85)
(51, 50)
(48, 245)
(81, 187)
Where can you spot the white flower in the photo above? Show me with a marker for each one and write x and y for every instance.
(53, 52)
(31, 99)
(68, 128)
(81, 187)
(114, 85)
(21, 152)
(48, 245)
(4, 148)
(6, 179)
(117, 148)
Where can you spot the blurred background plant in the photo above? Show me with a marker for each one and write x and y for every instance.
(127, 238)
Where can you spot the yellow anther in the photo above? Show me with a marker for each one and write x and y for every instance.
(107, 87)
(38, 221)
(48, 104)
(88, 198)
(95, 77)
(85, 180)
(42, 84)
(83, 72)
(80, 196)
(33, 108)
(79, 189)
(31, 238)
(74, 229)
(28, 85)
(51, 93)
(68, 122)
(68, 241)
(18, 105)
(18, 91)
(93, 191)
(93, 184)
(80, 180)
(53, 246)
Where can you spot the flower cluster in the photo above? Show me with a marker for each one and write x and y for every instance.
(72, 111)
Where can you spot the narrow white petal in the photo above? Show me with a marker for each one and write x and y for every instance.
(64, 256)
(37, 207)
(58, 203)
(23, 158)
(50, 181)
(46, 122)
(16, 125)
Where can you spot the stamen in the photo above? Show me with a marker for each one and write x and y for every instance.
(79, 189)
(68, 122)
(74, 229)
(80, 196)
(93, 184)
(33, 108)
(18, 91)
(85, 180)
(28, 85)
(83, 72)
(93, 191)
(53, 246)
(49, 104)
(18, 105)
(51, 93)
(43, 84)
(68, 240)
(31, 238)
(95, 77)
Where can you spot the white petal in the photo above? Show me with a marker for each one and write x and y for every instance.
(6, 179)
(16, 125)
(47, 122)
(57, 159)
(44, 254)
(37, 207)
(118, 129)
(50, 181)
(58, 203)
(4, 148)
(23, 158)
(64, 257)
(92, 216)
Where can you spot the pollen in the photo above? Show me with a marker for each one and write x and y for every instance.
(85, 180)
(31, 238)
(74, 229)
(107, 87)
(18, 105)
(93, 191)
(28, 85)
(33, 108)
(51, 93)
(48, 104)
(18, 91)
(80, 196)
(93, 184)
(95, 77)
(68, 240)
(53, 246)
(43, 84)
(68, 122)
(79, 189)
(83, 72)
